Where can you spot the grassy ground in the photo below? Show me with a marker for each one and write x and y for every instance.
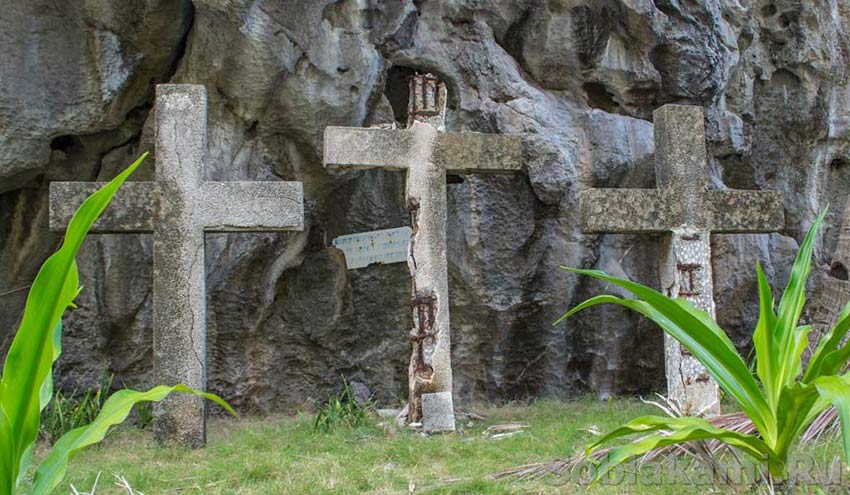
(284, 455)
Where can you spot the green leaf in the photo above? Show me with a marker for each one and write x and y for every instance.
(835, 361)
(45, 396)
(695, 330)
(32, 352)
(836, 390)
(785, 336)
(763, 337)
(828, 359)
(46, 392)
(674, 431)
(115, 411)
(799, 343)
(8, 461)
(795, 413)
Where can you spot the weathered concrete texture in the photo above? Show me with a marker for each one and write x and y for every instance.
(650, 210)
(686, 272)
(438, 413)
(578, 80)
(133, 209)
(179, 292)
(425, 192)
(683, 198)
(362, 149)
(251, 206)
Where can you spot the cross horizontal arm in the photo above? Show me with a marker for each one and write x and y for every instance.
(475, 152)
(466, 152)
(253, 206)
(361, 148)
(654, 210)
(133, 209)
(626, 211)
(745, 211)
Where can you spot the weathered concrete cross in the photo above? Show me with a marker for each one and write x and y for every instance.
(178, 208)
(685, 206)
(426, 153)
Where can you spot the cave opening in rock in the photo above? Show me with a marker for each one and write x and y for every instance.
(397, 92)
(65, 144)
(738, 172)
(838, 164)
(599, 97)
(839, 271)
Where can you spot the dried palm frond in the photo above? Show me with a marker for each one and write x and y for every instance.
(707, 451)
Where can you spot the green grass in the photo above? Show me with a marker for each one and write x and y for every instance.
(286, 455)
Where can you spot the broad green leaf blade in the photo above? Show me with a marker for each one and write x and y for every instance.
(650, 424)
(799, 342)
(695, 330)
(828, 358)
(673, 431)
(593, 301)
(795, 413)
(763, 338)
(790, 307)
(836, 389)
(115, 411)
(46, 393)
(26, 460)
(45, 397)
(32, 362)
(8, 461)
(30, 358)
(835, 361)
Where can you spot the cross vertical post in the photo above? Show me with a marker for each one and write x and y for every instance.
(179, 344)
(430, 371)
(681, 168)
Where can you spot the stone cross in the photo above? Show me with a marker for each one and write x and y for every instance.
(179, 207)
(426, 153)
(684, 206)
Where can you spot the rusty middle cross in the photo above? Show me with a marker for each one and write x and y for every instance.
(426, 154)
(684, 206)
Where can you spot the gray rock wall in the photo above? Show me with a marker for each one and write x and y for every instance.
(578, 78)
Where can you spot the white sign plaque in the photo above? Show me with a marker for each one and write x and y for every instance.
(379, 246)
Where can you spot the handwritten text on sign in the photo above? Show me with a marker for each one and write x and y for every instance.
(380, 246)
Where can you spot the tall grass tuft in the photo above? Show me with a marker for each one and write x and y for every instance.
(341, 410)
(67, 412)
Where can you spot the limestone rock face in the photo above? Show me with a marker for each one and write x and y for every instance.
(578, 79)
